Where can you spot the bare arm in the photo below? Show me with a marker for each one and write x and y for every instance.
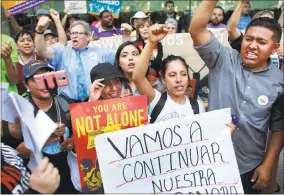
(233, 31)
(41, 48)
(64, 19)
(142, 84)
(157, 33)
(62, 38)
(262, 174)
(16, 27)
(197, 29)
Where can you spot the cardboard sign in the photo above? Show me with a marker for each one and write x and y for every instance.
(19, 6)
(180, 156)
(76, 7)
(97, 6)
(92, 118)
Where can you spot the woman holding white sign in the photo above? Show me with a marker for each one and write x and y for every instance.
(173, 103)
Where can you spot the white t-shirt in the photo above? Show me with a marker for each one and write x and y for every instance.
(173, 110)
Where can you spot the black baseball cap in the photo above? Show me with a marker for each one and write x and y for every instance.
(30, 69)
(106, 71)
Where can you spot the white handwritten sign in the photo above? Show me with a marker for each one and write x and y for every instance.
(76, 7)
(182, 156)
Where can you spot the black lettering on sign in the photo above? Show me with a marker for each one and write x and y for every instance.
(204, 151)
(146, 167)
(176, 133)
(158, 186)
(171, 161)
(188, 180)
(166, 184)
(191, 155)
(183, 157)
(136, 169)
(224, 190)
(168, 138)
(202, 178)
(157, 138)
(117, 150)
(137, 141)
(159, 161)
(210, 173)
(233, 190)
(215, 191)
(215, 151)
(123, 173)
(195, 132)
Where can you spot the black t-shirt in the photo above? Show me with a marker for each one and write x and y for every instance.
(59, 160)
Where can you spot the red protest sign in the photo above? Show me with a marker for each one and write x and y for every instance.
(92, 118)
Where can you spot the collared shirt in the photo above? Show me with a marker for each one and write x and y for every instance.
(100, 32)
(65, 58)
(249, 94)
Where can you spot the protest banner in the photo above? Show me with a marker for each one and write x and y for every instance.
(192, 155)
(92, 118)
(19, 6)
(179, 44)
(97, 6)
(76, 7)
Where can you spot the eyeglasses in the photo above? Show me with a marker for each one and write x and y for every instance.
(77, 33)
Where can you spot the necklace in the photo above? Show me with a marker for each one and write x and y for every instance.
(32, 58)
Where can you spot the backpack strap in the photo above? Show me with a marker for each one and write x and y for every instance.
(158, 107)
(194, 105)
(64, 106)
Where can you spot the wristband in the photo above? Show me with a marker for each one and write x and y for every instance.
(39, 32)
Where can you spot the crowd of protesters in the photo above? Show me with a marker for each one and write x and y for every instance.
(246, 77)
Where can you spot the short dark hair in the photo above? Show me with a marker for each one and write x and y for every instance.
(22, 33)
(169, 59)
(268, 23)
(102, 13)
(169, 2)
(219, 7)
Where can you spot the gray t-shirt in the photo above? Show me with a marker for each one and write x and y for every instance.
(249, 94)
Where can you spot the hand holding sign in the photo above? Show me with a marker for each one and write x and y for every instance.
(43, 23)
(157, 33)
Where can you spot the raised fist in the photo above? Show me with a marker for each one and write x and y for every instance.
(54, 14)
(43, 23)
(8, 13)
(157, 32)
(6, 49)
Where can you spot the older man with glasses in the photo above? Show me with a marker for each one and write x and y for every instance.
(77, 60)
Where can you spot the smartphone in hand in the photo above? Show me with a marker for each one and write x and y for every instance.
(51, 77)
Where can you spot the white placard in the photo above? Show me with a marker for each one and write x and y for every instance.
(193, 154)
(76, 7)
